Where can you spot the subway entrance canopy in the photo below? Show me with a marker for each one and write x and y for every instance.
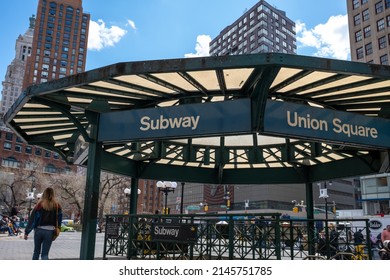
(247, 119)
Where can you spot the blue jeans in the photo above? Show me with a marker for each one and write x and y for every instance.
(42, 243)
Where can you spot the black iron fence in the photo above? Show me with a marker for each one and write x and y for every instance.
(234, 236)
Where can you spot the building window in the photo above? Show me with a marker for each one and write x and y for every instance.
(47, 154)
(38, 152)
(28, 150)
(67, 170)
(358, 36)
(364, 2)
(359, 53)
(368, 48)
(387, 4)
(18, 148)
(367, 31)
(380, 24)
(9, 136)
(366, 15)
(379, 7)
(382, 42)
(50, 168)
(357, 19)
(7, 146)
(10, 162)
(384, 60)
(355, 4)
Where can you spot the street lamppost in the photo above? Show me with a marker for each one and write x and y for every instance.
(246, 204)
(226, 197)
(324, 195)
(30, 194)
(182, 198)
(127, 192)
(166, 187)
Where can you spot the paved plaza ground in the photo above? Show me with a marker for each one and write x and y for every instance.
(67, 246)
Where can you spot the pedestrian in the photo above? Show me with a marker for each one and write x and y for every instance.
(358, 237)
(385, 235)
(333, 239)
(45, 217)
(14, 211)
(5, 225)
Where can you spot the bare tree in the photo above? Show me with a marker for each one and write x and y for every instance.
(110, 186)
(16, 183)
(70, 189)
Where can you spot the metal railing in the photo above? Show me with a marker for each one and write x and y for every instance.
(233, 236)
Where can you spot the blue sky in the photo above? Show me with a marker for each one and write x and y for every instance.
(125, 30)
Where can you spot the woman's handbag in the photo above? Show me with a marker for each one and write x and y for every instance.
(57, 229)
(56, 233)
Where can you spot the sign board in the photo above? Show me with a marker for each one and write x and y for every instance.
(175, 232)
(190, 120)
(112, 228)
(301, 121)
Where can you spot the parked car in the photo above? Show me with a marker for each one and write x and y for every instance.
(65, 228)
(68, 222)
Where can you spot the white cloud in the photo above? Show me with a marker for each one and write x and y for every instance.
(330, 39)
(101, 36)
(202, 47)
(131, 24)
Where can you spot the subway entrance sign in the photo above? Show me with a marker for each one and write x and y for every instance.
(301, 121)
(218, 118)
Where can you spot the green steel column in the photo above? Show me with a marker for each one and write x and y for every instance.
(278, 249)
(134, 196)
(231, 237)
(131, 251)
(310, 217)
(91, 199)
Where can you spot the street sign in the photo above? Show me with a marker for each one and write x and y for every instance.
(174, 232)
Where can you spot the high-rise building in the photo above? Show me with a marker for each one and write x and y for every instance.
(369, 36)
(60, 40)
(58, 48)
(54, 46)
(369, 30)
(13, 81)
(262, 28)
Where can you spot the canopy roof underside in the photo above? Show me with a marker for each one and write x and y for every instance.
(57, 115)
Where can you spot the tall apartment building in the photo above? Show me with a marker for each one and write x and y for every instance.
(264, 28)
(59, 49)
(260, 29)
(60, 40)
(54, 46)
(13, 81)
(369, 36)
(369, 30)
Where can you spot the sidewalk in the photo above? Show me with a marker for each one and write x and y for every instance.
(66, 247)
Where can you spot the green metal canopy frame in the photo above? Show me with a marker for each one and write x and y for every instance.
(63, 116)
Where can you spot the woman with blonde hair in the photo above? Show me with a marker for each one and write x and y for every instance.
(44, 218)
